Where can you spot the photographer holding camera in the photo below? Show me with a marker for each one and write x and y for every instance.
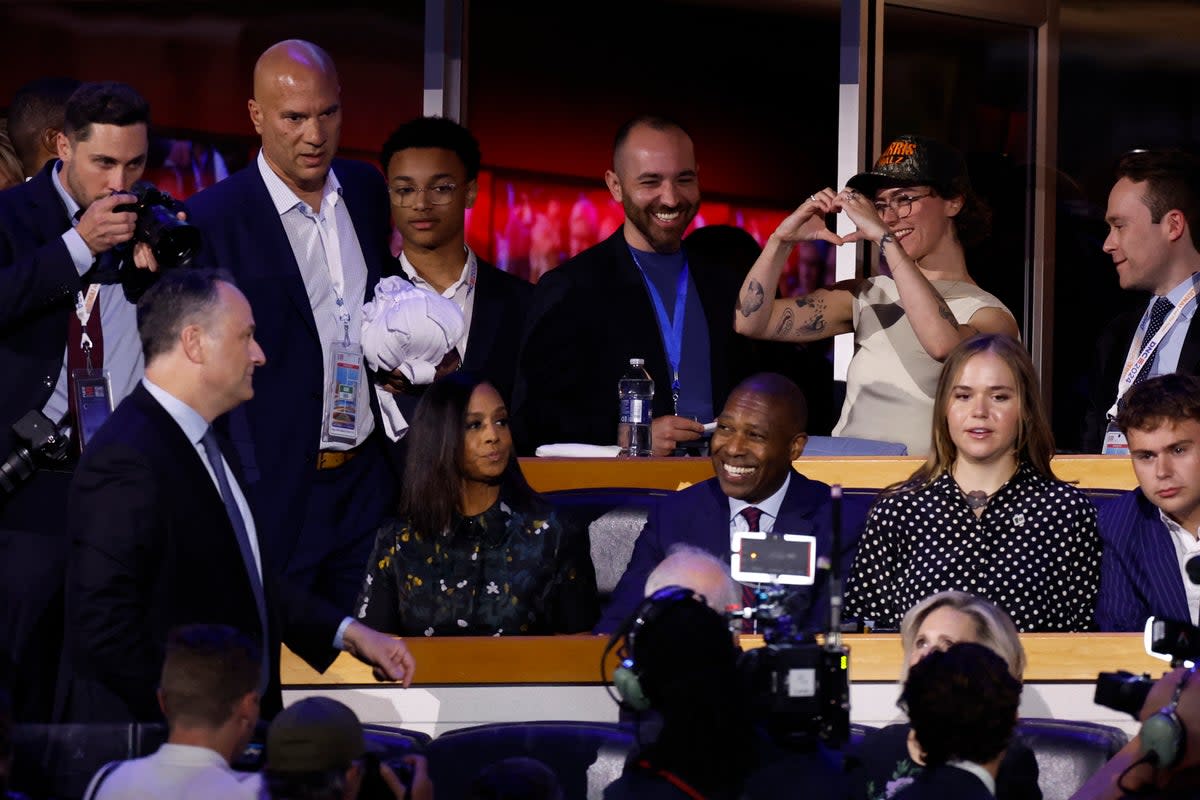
(680, 661)
(67, 331)
(1163, 760)
(316, 749)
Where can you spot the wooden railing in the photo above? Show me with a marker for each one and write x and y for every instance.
(470, 660)
(548, 474)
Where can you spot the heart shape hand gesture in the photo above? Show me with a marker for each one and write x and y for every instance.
(807, 223)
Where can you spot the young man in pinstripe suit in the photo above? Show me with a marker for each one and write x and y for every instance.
(1152, 534)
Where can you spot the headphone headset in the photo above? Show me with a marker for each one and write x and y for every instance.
(1163, 735)
(627, 677)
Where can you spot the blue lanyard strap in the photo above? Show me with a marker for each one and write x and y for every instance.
(671, 329)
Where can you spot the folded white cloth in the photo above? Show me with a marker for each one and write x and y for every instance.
(578, 450)
(411, 329)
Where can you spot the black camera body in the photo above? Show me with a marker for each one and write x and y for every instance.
(798, 688)
(1123, 691)
(38, 441)
(373, 786)
(173, 241)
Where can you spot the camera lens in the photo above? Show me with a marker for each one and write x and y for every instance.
(173, 241)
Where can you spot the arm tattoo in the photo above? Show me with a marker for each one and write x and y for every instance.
(751, 299)
(947, 314)
(785, 324)
(816, 320)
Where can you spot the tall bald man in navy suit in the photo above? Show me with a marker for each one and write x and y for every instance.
(305, 234)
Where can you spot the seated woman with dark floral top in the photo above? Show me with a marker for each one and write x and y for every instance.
(474, 550)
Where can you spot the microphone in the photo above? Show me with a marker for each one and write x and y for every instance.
(1193, 569)
(833, 638)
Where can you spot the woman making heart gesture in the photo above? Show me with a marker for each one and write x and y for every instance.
(918, 206)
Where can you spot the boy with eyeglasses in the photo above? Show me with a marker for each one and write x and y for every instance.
(432, 169)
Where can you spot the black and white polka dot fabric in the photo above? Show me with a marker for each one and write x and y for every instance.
(1035, 552)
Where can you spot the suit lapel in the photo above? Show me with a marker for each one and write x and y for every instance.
(716, 512)
(1189, 356)
(46, 207)
(799, 504)
(1161, 564)
(358, 203)
(285, 270)
(485, 321)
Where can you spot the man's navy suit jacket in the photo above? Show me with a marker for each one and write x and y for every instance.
(152, 548)
(1139, 571)
(277, 433)
(1108, 361)
(699, 516)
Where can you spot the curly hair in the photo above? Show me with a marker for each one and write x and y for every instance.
(962, 704)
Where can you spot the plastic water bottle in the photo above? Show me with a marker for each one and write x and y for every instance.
(636, 392)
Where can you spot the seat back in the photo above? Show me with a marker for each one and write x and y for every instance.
(1068, 752)
(586, 756)
(823, 446)
(614, 518)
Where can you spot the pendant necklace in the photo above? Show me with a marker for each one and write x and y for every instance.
(977, 498)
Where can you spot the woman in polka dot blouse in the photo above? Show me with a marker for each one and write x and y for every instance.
(985, 513)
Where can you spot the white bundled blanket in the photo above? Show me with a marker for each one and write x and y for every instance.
(409, 329)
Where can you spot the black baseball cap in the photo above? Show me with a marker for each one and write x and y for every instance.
(912, 160)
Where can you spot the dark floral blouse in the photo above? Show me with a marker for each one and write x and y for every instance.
(502, 572)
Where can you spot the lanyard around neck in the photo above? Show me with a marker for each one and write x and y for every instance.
(1138, 356)
(670, 328)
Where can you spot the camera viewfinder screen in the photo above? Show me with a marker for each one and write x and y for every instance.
(787, 558)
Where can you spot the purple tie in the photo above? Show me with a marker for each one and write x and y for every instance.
(749, 599)
(752, 515)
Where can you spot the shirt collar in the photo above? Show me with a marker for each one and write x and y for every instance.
(416, 278)
(770, 506)
(1180, 289)
(194, 426)
(1174, 527)
(282, 195)
(978, 771)
(68, 201)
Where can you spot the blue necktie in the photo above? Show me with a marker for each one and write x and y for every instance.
(1158, 312)
(213, 450)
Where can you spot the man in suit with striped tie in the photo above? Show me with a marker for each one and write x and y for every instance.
(760, 431)
(161, 533)
(1150, 533)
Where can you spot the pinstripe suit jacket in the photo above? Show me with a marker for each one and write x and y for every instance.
(1139, 571)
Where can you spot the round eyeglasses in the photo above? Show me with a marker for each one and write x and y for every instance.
(437, 195)
(900, 203)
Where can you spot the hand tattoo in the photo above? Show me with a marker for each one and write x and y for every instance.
(751, 299)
